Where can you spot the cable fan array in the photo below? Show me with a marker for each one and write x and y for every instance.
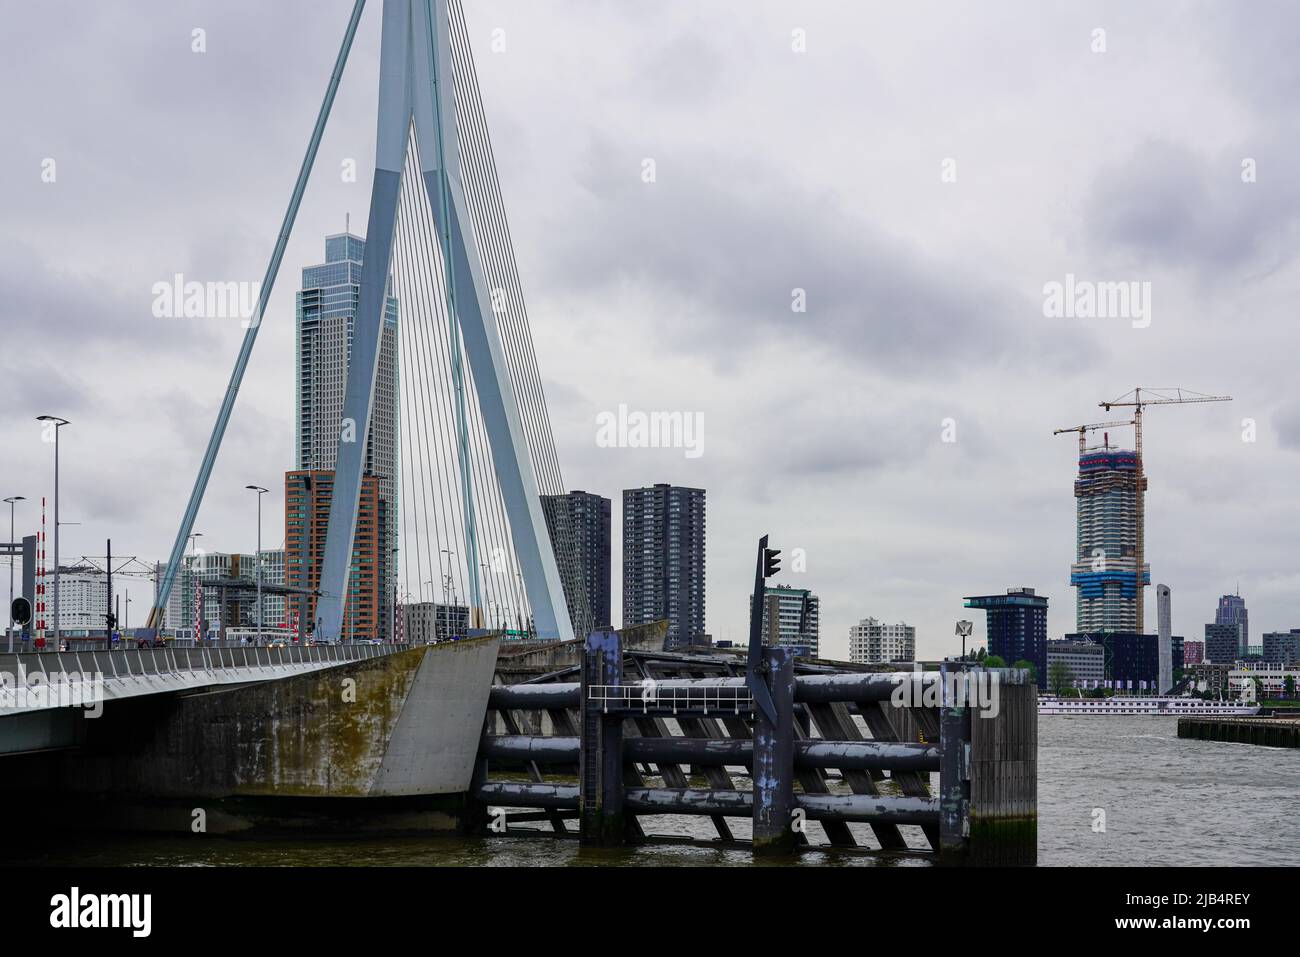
(456, 546)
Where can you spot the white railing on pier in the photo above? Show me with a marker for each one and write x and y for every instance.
(651, 695)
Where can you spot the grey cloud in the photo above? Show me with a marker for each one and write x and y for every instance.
(1166, 205)
(722, 249)
(1287, 423)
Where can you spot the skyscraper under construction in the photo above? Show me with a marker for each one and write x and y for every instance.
(1105, 567)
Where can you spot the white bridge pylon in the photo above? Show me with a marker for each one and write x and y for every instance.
(416, 89)
(417, 93)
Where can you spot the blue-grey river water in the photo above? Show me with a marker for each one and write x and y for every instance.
(1160, 800)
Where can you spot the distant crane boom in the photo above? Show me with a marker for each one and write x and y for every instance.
(1083, 430)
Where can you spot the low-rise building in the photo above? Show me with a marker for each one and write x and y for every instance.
(1270, 680)
(424, 622)
(1208, 676)
(1085, 661)
(1133, 659)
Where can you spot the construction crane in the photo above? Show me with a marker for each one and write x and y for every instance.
(1091, 427)
(1139, 399)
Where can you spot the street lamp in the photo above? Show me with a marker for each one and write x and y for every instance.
(58, 424)
(449, 553)
(964, 630)
(260, 492)
(11, 500)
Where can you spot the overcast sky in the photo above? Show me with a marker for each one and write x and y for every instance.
(821, 170)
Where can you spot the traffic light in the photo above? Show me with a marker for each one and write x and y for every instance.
(771, 561)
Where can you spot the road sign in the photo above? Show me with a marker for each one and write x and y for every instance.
(21, 610)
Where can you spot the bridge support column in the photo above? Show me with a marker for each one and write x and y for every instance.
(600, 759)
(954, 776)
(774, 806)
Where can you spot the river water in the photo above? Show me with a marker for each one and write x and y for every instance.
(1111, 791)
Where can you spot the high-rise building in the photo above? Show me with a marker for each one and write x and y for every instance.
(663, 560)
(1105, 566)
(307, 495)
(1193, 652)
(1222, 643)
(874, 642)
(1232, 611)
(326, 313)
(83, 599)
(791, 618)
(1017, 627)
(1282, 647)
(588, 531)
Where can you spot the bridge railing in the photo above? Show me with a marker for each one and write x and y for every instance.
(125, 663)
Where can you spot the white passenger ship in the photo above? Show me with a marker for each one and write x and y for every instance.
(1145, 704)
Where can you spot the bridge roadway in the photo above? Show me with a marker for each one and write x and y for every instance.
(48, 681)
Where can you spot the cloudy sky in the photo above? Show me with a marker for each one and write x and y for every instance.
(920, 170)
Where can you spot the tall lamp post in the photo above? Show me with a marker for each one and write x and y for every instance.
(11, 500)
(393, 623)
(258, 559)
(194, 550)
(58, 424)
